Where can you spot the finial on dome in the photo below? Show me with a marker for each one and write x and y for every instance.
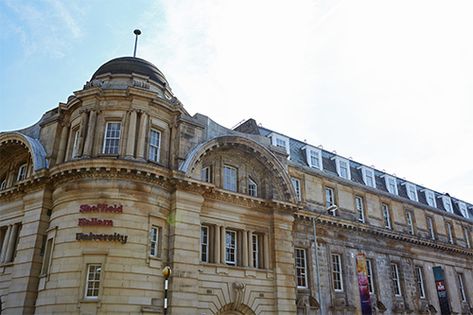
(136, 32)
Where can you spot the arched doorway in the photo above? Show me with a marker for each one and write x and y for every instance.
(232, 309)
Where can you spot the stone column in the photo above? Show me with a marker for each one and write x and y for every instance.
(131, 137)
(140, 148)
(217, 244)
(266, 251)
(245, 248)
(222, 244)
(284, 272)
(184, 252)
(6, 240)
(61, 153)
(89, 140)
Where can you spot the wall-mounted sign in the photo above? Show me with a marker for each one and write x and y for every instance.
(115, 237)
(95, 222)
(100, 208)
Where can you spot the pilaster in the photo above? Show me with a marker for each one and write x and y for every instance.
(184, 252)
(22, 294)
(285, 292)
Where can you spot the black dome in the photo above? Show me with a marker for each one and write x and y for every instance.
(129, 65)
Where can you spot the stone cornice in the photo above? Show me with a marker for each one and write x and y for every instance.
(378, 231)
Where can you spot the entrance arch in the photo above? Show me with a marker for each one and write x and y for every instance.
(232, 309)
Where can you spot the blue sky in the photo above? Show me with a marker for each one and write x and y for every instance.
(388, 83)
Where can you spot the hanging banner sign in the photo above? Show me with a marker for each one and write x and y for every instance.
(439, 277)
(363, 286)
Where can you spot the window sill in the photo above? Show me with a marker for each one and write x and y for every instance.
(223, 266)
(90, 300)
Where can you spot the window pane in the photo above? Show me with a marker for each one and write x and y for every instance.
(230, 247)
(230, 178)
(112, 138)
(93, 280)
(154, 145)
(301, 271)
(204, 243)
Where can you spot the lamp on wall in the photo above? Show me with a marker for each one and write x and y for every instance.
(329, 210)
(166, 273)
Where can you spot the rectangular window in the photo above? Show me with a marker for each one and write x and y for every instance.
(301, 268)
(230, 247)
(369, 270)
(386, 216)
(21, 172)
(420, 281)
(206, 174)
(395, 279)
(461, 287)
(410, 222)
(360, 208)
(329, 198)
(466, 234)
(47, 257)
(229, 178)
(391, 184)
(154, 145)
(430, 197)
(463, 209)
(111, 142)
(430, 227)
(93, 281)
(368, 176)
(255, 250)
(75, 143)
(297, 188)
(412, 191)
(449, 233)
(154, 241)
(204, 243)
(337, 273)
(252, 187)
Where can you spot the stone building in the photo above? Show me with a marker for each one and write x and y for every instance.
(120, 181)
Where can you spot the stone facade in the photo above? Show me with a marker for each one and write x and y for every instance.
(119, 182)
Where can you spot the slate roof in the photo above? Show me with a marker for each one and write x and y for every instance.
(297, 156)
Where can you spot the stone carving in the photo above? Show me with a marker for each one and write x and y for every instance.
(238, 294)
(141, 84)
(93, 83)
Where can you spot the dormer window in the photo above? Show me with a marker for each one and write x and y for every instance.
(21, 172)
(280, 141)
(391, 184)
(447, 203)
(430, 197)
(313, 157)
(412, 191)
(368, 176)
(463, 209)
(343, 167)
